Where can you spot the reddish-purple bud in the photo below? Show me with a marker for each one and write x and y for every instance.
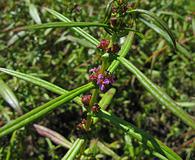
(81, 125)
(93, 77)
(115, 48)
(95, 108)
(104, 43)
(86, 99)
(113, 21)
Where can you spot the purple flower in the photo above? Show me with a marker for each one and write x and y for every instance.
(103, 80)
(94, 70)
(104, 43)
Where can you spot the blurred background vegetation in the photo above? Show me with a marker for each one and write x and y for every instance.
(63, 58)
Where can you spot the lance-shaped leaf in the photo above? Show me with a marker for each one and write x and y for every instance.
(165, 35)
(42, 110)
(73, 151)
(53, 136)
(63, 25)
(106, 150)
(187, 104)
(80, 31)
(34, 13)
(140, 135)
(157, 20)
(107, 98)
(157, 93)
(9, 96)
(158, 30)
(40, 82)
(105, 101)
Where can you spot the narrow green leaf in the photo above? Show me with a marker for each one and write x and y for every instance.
(64, 24)
(169, 13)
(34, 13)
(183, 50)
(157, 93)
(105, 101)
(80, 31)
(186, 104)
(11, 146)
(15, 38)
(43, 110)
(37, 81)
(155, 154)
(140, 135)
(106, 150)
(157, 20)
(73, 151)
(158, 30)
(107, 98)
(9, 96)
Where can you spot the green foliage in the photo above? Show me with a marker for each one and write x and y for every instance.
(53, 55)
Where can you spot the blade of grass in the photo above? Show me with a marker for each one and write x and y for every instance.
(106, 150)
(73, 151)
(140, 135)
(107, 98)
(80, 31)
(169, 13)
(40, 82)
(164, 34)
(157, 93)
(9, 96)
(157, 20)
(186, 104)
(11, 146)
(158, 30)
(105, 101)
(34, 13)
(63, 24)
(43, 110)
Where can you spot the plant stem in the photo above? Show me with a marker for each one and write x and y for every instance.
(91, 103)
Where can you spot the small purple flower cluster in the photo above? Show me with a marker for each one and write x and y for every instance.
(103, 80)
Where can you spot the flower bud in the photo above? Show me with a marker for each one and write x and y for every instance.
(86, 99)
(95, 108)
(104, 43)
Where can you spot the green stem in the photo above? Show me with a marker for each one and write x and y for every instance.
(72, 152)
(92, 101)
